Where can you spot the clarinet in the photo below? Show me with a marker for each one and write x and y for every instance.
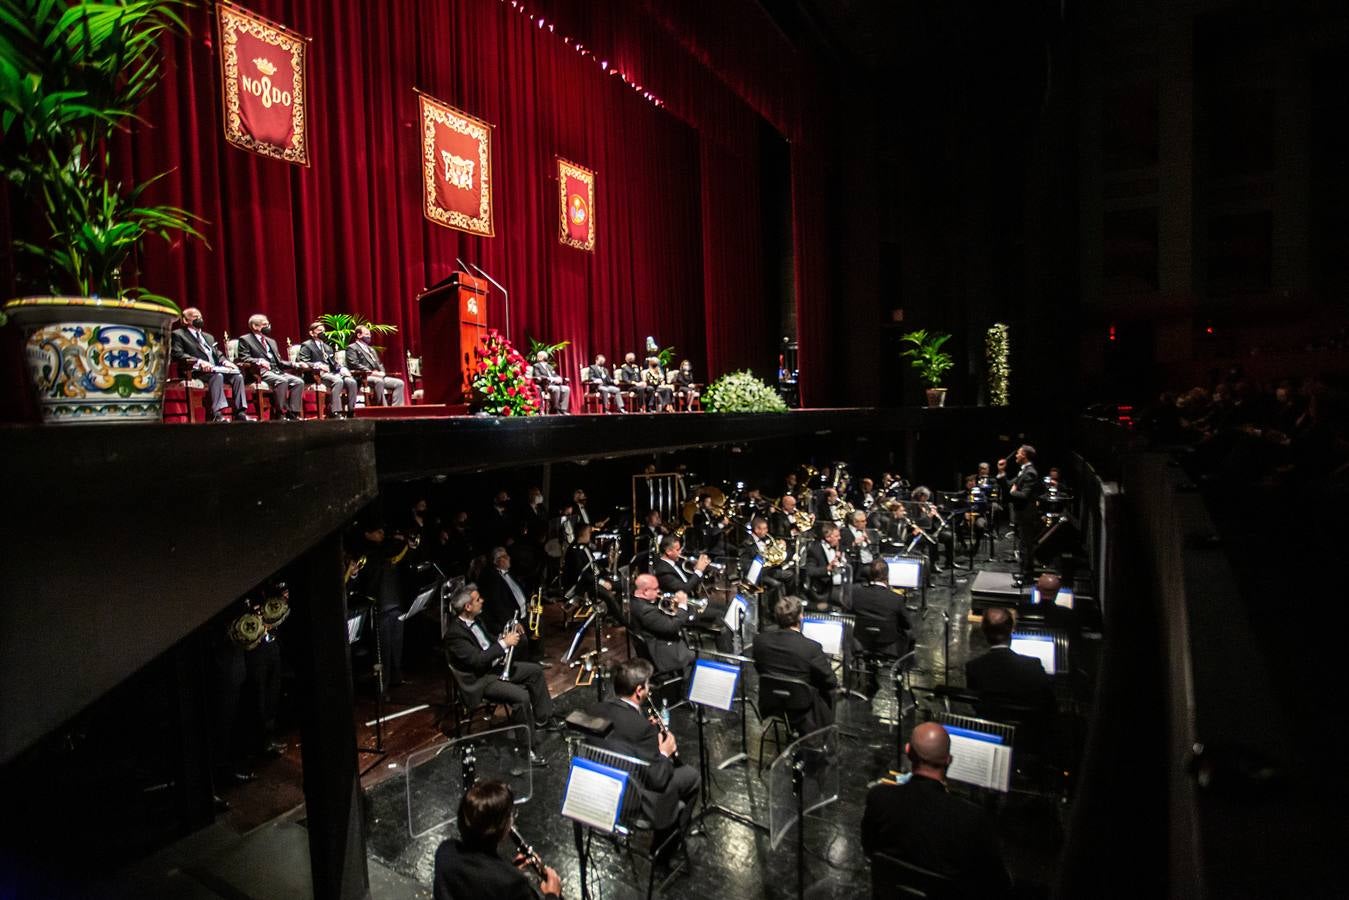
(655, 713)
(531, 857)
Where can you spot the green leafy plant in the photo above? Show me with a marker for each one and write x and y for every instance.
(551, 349)
(741, 392)
(926, 356)
(997, 354)
(71, 75)
(501, 385)
(340, 328)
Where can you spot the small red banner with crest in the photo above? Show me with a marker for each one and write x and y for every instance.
(576, 195)
(263, 80)
(456, 168)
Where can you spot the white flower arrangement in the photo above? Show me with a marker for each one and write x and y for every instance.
(741, 392)
(997, 351)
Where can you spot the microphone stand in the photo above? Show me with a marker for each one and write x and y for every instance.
(504, 293)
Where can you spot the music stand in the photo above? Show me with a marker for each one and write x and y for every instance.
(717, 682)
(590, 662)
(802, 778)
(436, 777)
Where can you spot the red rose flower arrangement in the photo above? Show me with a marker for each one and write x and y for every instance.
(501, 384)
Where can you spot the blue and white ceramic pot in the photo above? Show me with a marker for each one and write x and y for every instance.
(92, 360)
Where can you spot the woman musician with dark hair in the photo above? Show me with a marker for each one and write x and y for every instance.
(471, 867)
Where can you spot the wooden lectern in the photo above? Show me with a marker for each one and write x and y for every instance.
(454, 319)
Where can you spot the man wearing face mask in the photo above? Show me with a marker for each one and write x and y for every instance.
(193, 348)
(321, 358)
(261, 351)
(363, 361)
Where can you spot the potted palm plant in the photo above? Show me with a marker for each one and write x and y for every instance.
(71, 76)
(926, 355)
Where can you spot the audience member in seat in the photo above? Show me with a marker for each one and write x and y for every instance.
(1002, 677)
(921, 824)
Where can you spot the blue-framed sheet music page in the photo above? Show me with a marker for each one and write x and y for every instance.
(594, 794)
(755, 570)
(713, 683)
(737, 611)
(906, 572)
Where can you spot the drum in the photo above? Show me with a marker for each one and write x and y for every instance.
(248, 630)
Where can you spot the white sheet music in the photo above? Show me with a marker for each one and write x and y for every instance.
(714, 683)
(905, 572)
(755, 570)
(828, 633)
(738, 607)
(1042, 648)
(1064, 598)
(420, 603)
(354, 628)
(594, 794)
(979, 760)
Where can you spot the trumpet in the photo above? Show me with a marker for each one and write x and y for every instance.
(691, 561)
(531, 857)
(670, 607)
(535, 620)
(511, 626)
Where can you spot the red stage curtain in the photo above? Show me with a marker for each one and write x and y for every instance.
(678, 252)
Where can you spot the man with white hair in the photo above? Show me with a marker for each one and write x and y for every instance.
(551, 384)
(262, 353)
(481, 657)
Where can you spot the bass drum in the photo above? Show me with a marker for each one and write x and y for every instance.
(690, 508)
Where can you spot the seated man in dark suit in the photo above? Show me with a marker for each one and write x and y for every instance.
(503, 595)
(480, 656)
(1003, 677)
(668, 790)
(825, 566)
(470, 865)
(581, 576)
(921, 824)
(662, 632)
(199, 356)
(786, 651)
(881, 626)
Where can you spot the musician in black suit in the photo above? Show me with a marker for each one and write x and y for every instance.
(647, 542)
(672, 577)
(581, 576)
(939, 537)
(1002, 676)
(597, 373)
(775, 580)
(504, 596)
(380, 582)
(667, 790)
(859, 543)
(477, 654)
(920, 823)
(1022, 492)
(262, 352)
(321, 358)
(364, 363)
(786, 651)
(470, 866)
(881, 626)
(662, 632)
(196, 350)
(550, 384)
(825, 567)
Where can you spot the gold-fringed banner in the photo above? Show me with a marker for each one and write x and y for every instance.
(576, 196)
(456, 168)
(263, 80)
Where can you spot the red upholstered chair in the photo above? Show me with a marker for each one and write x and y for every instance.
(184, 396)
(591, 401)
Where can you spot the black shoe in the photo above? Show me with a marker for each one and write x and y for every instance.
(243, 777)
(292, 417)
(274, 750)
(938, 569)
(219, 804)
(537, 761)
(959, 565)
(542, 664)
(243, 417)
(552, 724)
